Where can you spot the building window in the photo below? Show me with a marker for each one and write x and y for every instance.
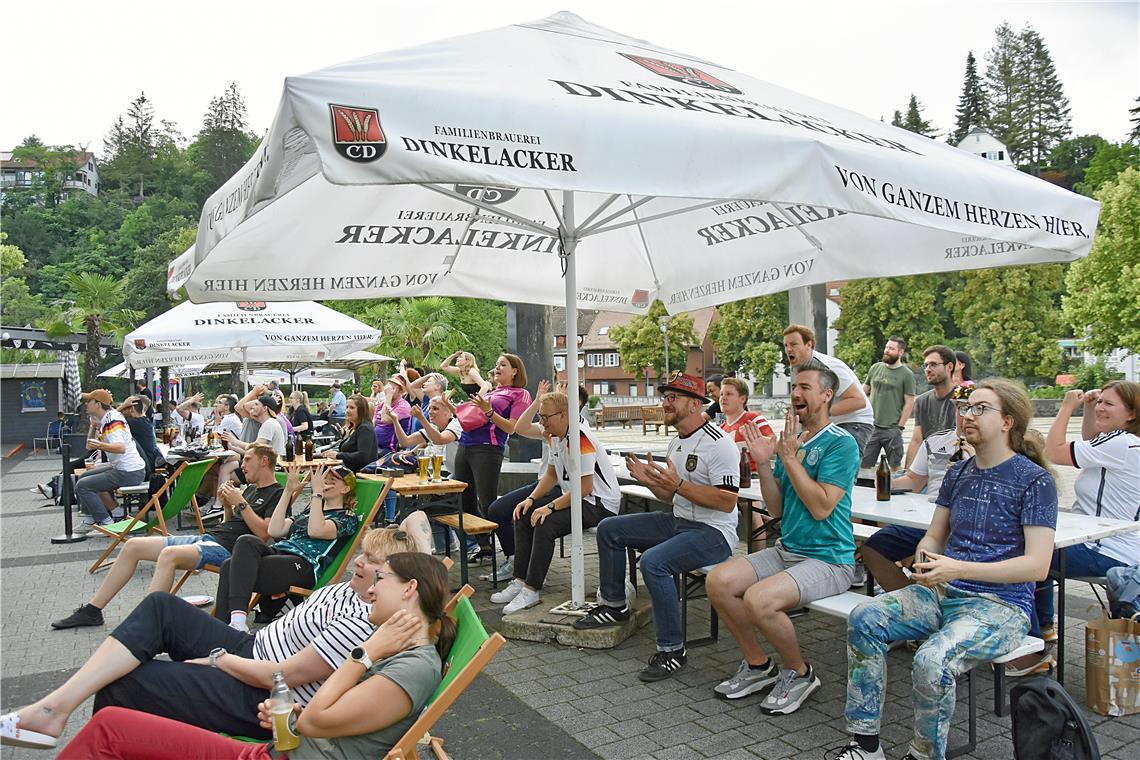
(594, 360)
(605, 389)
(613, 359)
(560, 363)
(633, 389)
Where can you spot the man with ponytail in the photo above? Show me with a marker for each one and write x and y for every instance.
(990, 539)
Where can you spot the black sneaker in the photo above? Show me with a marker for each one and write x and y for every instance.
(662, 665)
(603, 616)
(83, 616)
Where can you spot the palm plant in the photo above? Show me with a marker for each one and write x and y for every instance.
(419, 330)
(95, 308)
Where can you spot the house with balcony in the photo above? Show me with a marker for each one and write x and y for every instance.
(17, 173)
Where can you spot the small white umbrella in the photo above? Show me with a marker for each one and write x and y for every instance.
(560, 162)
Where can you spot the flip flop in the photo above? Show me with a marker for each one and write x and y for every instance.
(199, 600)
(11, 735)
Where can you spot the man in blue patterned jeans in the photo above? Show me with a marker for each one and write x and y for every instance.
(990, 539)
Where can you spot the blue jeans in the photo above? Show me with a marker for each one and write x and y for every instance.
(1080, 561)
(669, 545)
(961, 629)
(88, 488)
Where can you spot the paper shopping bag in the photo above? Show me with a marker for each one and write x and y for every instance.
(1112, 665)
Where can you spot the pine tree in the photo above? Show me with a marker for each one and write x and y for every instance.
(914, 121)
(1135, 136)
(225, 143)
(1003, 90)
(129, 147)
(897, 120)
(972, 108)
(1044, 106)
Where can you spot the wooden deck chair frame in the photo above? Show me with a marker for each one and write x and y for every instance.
(405, 748)
(184, 480)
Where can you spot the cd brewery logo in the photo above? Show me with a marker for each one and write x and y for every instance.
(488, 194)
(683, 74)
(357, 134)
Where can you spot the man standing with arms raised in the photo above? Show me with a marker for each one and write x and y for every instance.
(890, 384)
(850, 409)
(699, 478)
(934, 410)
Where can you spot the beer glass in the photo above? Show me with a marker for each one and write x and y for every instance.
(423, 460)
(437, 465)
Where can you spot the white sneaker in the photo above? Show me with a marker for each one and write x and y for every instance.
(523, 599)
(509, 593)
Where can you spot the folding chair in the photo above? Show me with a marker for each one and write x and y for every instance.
(52, 438)
(472, 650)
(185, 480)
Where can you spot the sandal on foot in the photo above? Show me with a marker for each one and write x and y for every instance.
(11, 735)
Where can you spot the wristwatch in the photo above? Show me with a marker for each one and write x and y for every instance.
(215, 653)
(240, 507)
(359, 655)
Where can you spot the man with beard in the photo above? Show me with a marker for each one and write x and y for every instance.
(890, 384)
(850, 409)
(809, 487)
(699, 479)
(934, 410)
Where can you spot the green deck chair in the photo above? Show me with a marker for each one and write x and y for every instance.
(185, 480)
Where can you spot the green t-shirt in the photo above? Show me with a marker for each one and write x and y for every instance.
(831, 457)
(418, 672)
(889, 388)
(318, 552)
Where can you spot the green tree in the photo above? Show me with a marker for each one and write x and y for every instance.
(95, 307)
(485, 325)
(418, 330)
(139, 150)
(1109, 162)
(1003, 84)
(1044, 105)
(875, 309)
(642, 344)
(1134, 136)
(1070, 160)
(224, 143)
(914, 122)
(1103, 300)
(18, 307)
(973, 111)
(1011, 320)
(748, 334)
(145, 284)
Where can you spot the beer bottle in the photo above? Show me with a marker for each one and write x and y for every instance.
(289, 455)
(285, 736)
(883, 479)
(745, 469)
(308, 449)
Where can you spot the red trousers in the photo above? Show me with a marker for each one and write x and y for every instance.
(116, 733)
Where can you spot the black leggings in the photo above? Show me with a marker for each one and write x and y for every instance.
(478, 467)
(254, 566)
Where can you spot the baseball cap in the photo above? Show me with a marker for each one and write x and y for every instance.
(690, 385)
(346, 475)
(102, 395)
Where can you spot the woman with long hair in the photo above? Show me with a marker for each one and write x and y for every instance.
(304, 546)
(470, 381)
(357, 449)
(481, 450)
(300, 416)
(990, 539)
(360, 712)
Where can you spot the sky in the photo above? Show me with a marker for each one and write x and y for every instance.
(865, 55)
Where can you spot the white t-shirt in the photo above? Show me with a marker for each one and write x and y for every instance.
(196, 423)
(334, 620)
(1109, 486)
(273, 434)
(113, 429)
(933, 459)
(230, 423)
(847, 378)
(595, 460)
(707, 457)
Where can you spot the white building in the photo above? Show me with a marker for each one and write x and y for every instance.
(981, 143)
(22, 173)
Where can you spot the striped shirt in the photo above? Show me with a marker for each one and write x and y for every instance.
(1109, 486)
(333, 621)
(707, 457)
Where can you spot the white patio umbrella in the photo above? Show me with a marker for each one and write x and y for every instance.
(124, 372)
(322, 377)
(246, 331)
(560, 162)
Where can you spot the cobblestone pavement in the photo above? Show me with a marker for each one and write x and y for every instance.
(535, 700)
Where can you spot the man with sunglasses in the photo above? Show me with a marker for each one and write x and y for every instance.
(934, 410)
(700, 479)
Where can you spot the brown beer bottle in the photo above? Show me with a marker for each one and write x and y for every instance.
(289, 450)
(308, 449)
(883, 479)
(745, 469)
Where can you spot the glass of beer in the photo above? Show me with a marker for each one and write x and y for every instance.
(437, 465)
(424, 460)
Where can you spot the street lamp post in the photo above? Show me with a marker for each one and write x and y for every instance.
(664, 322)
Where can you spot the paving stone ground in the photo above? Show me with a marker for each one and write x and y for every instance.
(534, 700)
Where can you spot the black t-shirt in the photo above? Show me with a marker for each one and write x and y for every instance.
(260, 500)
(299, 416)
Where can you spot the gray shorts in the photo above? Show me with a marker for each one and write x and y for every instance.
(816, 579)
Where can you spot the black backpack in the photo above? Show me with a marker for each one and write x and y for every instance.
(1048, 724)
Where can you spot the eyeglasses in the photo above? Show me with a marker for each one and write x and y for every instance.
(381, 574)
(932, 365)
(975, 410)
(672, 397)
(545, 417)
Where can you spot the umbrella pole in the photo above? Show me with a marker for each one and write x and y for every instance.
(574, 461)
(244, 370)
